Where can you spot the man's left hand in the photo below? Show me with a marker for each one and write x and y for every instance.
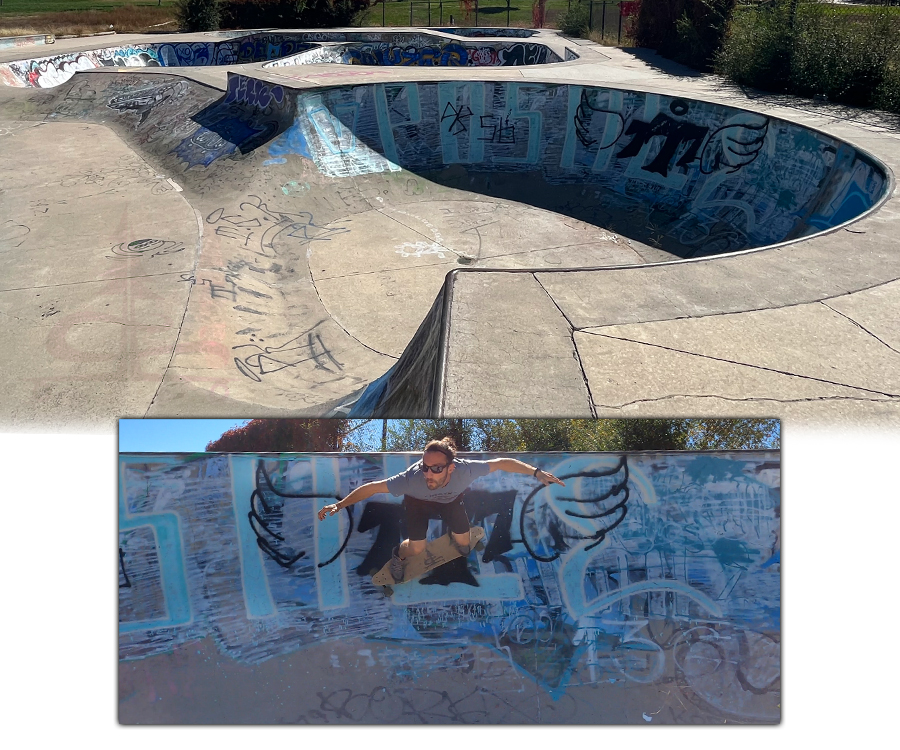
(545, 478)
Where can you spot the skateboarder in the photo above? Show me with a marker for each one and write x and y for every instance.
(433, 485)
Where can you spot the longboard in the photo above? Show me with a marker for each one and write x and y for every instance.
(437, 553)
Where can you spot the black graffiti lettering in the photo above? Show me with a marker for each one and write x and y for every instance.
(10, 231)
(618, 494)
(307, 347)
(501, 131)
(460, 118)
(387, 518)
(242, 308)
(582, 121)
(320, 354)
(252, 292)
(735, 145)
(127, 584)
(266, 523)
(674, 134)
(221, 291)
(302, 231)
(235, 234)
(455, 571)
(487, 504)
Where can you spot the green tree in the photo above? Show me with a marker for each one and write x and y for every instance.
(413, 434)
(197, 15)
(543, 435)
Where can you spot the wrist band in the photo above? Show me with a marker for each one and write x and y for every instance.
(535, 473)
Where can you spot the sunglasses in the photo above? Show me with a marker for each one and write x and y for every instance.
(436, 469)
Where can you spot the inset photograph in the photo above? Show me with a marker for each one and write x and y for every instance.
(452, 571)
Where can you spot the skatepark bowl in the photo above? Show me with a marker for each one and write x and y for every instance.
(283, 223)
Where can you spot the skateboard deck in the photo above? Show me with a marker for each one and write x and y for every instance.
(436, 553)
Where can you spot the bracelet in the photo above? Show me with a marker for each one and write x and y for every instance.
(535, 473)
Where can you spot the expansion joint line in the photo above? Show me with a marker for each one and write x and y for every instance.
(187, 304)
(312, 282)
(758, 399)
(577, 354)
(862, 328)
(747, 364)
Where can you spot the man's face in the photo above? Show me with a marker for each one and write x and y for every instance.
(435, 458)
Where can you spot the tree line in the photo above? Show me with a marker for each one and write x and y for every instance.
(499, 435)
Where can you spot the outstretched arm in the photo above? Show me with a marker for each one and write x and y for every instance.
(515, 466)
(363, 492)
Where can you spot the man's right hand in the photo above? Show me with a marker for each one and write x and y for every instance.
(328, 510)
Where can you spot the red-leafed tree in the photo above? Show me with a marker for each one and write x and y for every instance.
(283, 435)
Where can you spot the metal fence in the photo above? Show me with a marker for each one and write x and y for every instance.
(612, 19)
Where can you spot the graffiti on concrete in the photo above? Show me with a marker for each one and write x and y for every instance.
(254, 93)
(47, 72)
(306, 350)
(257, 227)
(439, 53)
(709, 171)
(489, 32)
(370, 48)
(13, 234)
(146, 248)
(142, 101)
(642, 567)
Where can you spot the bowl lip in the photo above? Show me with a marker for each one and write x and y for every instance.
(890, 180)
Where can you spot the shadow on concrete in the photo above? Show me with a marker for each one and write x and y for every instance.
(662, 64)
(648, 224)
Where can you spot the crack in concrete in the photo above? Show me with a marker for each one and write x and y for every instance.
(334, 320)
(747, 364)
(862, 328)
(689, 316)
(96, 281)
(383, 212)
(55, 322)
(811, 399)
(451, 264)
(575, 353)
(184, 312)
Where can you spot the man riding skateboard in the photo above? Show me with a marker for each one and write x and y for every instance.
(434, 485)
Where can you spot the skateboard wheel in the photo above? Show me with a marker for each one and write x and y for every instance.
(479, 547)
(388, 591)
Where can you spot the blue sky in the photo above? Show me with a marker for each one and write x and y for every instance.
(193, 435)
(171, 435)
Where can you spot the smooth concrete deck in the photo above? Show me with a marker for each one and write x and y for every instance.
(132, 274)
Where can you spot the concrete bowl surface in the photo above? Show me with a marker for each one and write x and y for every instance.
(287, 223)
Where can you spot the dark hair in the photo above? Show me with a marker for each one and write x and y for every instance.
(446, 446)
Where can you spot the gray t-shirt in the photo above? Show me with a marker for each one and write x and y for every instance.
(412, 481)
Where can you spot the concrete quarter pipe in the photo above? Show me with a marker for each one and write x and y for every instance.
(261, 225)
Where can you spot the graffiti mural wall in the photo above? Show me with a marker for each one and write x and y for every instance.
(719, 179)
(369, 48)
(647, 571)
(442, 54)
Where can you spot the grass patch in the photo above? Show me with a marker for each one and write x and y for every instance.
(490, 14)
(78, 17)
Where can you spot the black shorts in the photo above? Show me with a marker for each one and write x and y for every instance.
(453, 514)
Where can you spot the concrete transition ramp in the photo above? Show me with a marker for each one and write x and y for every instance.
(592, 603)
(333, 238)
